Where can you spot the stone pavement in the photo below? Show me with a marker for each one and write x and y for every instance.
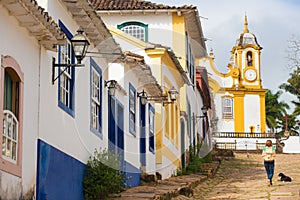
(245, 178)
(242, 178)
(170, 188)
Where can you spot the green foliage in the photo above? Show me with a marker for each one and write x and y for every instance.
(275, 109)
(102, 176)
(194, 166)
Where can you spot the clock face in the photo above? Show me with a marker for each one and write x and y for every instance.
(250, 74)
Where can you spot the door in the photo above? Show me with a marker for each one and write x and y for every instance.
(142, 134)
(116, 128)
(182, 126)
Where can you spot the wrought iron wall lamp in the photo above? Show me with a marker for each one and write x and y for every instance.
(112, 86)
(145, 98)
(79, 45)
(204, 111)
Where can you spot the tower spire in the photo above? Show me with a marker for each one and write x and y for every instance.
(246, 25)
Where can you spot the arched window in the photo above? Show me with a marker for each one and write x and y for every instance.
(249, 58)
(12, 106)
(227, 107)
(135, 29)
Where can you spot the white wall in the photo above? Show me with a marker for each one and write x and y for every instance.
(17, 43)
(252, 112)
(159, 26)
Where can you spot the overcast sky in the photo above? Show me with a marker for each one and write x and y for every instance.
(273, 22)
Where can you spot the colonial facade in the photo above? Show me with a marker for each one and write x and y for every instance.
(239, 95)
(178, 30)
(54, 117)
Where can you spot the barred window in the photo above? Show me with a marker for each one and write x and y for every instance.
(135, 29)
(132, 108)
(96, 93)
(227, 107)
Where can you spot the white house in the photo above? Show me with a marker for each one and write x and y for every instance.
(27, 32)
(176, 28)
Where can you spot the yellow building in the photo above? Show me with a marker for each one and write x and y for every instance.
(172, 42)
(238, 94)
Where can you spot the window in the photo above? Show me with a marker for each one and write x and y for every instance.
(227, 106)
(249, 58)
(132, 109)
(67, 78)
(11, 140)
(190, 60)
(135, 29)
(96, 93)
(10, 121)
(151, 128)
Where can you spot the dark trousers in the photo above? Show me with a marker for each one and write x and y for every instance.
(269, 169)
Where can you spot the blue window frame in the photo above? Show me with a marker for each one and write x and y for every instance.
(66, 81)
(151, 129)
(95, 98)
(132, 109)
(135, 29)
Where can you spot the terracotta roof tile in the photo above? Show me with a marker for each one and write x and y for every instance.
(132, 5)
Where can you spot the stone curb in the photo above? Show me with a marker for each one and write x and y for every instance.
(171, 187)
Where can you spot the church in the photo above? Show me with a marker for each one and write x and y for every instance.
(239, 97)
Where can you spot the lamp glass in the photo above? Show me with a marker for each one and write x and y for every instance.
(80, 45)
(204, 110)
(143, 100)
(173, 94)
(112, 91)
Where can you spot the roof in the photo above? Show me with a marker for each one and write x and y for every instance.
(132, 5)
(93, 26)
(143, 72)
(38, 22)
(174, 59)
(192, 18)
(246, 37)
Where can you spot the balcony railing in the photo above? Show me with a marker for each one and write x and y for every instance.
(243, 135)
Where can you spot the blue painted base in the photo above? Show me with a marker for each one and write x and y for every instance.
(133, 175)
(59, 176)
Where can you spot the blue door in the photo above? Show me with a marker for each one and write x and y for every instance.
(111, 124)
(120, 132)
(116, 128)
(142, 134)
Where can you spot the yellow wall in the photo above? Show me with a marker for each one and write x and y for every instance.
(179, 47)
(238, 112)
(263, 112)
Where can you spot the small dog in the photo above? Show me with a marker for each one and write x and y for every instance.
(284, 178)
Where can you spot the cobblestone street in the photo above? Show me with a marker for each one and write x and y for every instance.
(244, 177)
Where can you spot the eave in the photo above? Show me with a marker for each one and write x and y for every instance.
(38, 23)
(93, 26)
(143, 72)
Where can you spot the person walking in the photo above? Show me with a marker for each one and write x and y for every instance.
(268, 153)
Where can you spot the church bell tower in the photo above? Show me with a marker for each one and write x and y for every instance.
(246, 57)
(248, 94)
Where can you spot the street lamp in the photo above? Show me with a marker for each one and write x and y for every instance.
(204, 111)
(112, 86)
(145, 98)
(80, 45)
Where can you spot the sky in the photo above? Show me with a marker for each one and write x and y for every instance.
(273, 22)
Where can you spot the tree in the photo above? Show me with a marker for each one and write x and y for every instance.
(275, 109)
(293, 83)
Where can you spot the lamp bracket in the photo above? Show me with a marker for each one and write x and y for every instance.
(67, 66)
(200, 117)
